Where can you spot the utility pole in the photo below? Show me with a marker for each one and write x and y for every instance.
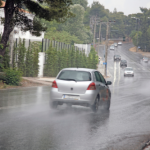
(93, 22)
(99, 32)
(94, 31)
(106, 51)
(137, 21)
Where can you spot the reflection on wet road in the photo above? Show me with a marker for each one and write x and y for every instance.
(28, 123)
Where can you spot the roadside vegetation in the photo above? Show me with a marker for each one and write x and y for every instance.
(24, 63)
(78, 30)
(57, 60)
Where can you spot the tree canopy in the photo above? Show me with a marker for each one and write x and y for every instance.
(15, 15)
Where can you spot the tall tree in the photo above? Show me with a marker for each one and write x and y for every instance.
(75, 26)
(81, 2)
(16, 16)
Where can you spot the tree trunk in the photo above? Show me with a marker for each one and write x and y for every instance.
(11, 46)
(8, 24)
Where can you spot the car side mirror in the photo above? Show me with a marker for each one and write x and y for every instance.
(108, 82)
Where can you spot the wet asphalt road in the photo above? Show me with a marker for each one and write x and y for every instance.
(27, 122)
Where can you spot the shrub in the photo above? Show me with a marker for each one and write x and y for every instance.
(2, 76)
(12, 77)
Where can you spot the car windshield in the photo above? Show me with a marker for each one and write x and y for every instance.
(123, 61)
(145, 58)
(117, 55)
(74, 75)
(129, 69)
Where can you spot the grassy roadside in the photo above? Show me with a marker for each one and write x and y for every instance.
(133, 49)
(23, 83)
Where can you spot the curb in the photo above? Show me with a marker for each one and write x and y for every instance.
(37, 81)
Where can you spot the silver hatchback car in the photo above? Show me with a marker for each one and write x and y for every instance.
(128, 72)
(80, 86)
(145, 59)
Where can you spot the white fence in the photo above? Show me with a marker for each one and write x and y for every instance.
(86, 47)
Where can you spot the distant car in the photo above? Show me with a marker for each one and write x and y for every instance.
(128, 72)
(145, 59)
(80, 86)
(120, 43)
(112, 47)
(117, 57)
(115, 44)
(123, 63)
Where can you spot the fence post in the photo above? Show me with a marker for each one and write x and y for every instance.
(45, 44)
(16, 47)
(48, 43)
(29, 42)
(42, 45)
(53, 43)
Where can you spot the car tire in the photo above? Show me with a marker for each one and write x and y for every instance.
(132, 75)
(106, 105)
(94, 107)
(124, 75)
(53, 105)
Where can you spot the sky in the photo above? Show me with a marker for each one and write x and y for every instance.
(126, 6)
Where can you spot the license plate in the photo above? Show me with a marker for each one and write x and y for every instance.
(73, 97)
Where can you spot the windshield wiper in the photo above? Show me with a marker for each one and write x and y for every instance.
(69, 79)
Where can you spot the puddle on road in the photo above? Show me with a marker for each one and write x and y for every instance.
(23, 96)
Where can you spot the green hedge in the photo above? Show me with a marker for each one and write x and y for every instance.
(55, 60)
(27, 61)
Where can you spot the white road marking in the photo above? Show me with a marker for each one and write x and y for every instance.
(115, 70)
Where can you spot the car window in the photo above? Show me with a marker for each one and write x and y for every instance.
(129, 69)
(75, 75)
(102, 78)
(97, 76)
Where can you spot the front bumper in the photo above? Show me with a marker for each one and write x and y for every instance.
(88, 98)
(129, 74)
(145, 61)
(123, 64)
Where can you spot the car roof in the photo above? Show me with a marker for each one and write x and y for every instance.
(80, 69)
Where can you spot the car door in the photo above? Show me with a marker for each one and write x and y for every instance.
(99, 85)
(105, 93)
